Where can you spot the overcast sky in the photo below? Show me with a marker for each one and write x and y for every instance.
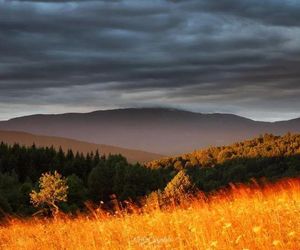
(233, 56)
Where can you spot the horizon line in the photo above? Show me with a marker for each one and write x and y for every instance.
(148, 107)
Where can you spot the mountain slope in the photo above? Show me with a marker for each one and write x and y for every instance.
(11, 137)
(260, 148)
(264, 158)
(163, 131)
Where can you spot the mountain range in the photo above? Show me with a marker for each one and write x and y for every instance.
(158, 130)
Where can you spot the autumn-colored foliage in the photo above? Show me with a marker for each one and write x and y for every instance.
(266, 146)
(243, 217)
(53, 189)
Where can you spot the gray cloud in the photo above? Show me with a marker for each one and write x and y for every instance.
(210, 56)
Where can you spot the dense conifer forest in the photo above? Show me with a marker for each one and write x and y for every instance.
(96, 178)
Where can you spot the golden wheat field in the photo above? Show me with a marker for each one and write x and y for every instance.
(243, 218)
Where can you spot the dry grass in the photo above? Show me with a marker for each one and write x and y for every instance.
(245, 218)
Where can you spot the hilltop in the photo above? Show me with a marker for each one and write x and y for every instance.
(158, 130)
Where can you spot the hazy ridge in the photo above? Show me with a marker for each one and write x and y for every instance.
(163, 131)
(27, 139)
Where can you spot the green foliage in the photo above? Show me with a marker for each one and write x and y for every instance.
(9, 190)
(89, 177)
(52, 190)
(99, 182)
(126, 181)
(77, 192)
(4, 206)
(24, 200)
(96, 178)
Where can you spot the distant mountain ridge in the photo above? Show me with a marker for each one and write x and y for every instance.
(26, 139)
(163, 131)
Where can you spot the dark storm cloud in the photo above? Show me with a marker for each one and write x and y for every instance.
(202, 55)
(274, 12)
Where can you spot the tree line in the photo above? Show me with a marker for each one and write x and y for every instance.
(89, 177)
(97, 178)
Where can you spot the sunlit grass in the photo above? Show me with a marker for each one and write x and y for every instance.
(244, 218)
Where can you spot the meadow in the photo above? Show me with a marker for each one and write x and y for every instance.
(245, 218)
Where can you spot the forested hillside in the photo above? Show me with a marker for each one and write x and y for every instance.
(268, 156)
(97, 178)
(263, 146)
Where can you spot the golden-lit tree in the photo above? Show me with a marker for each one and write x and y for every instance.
(178, 187)
(52, 190)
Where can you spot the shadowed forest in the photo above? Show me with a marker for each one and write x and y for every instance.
(111, 180)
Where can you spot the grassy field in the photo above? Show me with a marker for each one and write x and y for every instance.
(242, 218)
